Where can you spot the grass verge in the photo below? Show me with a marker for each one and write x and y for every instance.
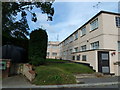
(53, 76)
(55, 73)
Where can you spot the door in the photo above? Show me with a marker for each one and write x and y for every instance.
(103, 62)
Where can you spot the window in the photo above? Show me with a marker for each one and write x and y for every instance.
(48, 45)
(78, 57)
(118, 21)
(71, 38)
(83, 48)
(73, 58)
(54, 54)
(118, 46)
(105, 56)
(76, 49)
(94, 25)
(95, 45)
(54, 46)
(76, 35)
(83, 31)
(84, 57)
(48, 53)
(70, 50)
(64, 53)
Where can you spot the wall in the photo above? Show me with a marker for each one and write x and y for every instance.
(26, 70)
(51, 49)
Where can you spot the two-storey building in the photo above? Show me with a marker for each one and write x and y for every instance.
(53, 50)
(97, 42)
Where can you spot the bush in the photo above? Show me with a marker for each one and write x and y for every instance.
(53, 76)
(38, 46)
(36, 60)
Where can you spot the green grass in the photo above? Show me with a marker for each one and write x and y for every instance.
(73, 68)
(55, 60)
(52, 76)
(59, 73)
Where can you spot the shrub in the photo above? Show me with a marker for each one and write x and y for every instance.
(36, 60)
(38, 46)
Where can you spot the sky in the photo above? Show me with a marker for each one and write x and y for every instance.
(68, 17)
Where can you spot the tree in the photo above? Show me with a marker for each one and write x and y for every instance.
(38, 46)
(19, 28)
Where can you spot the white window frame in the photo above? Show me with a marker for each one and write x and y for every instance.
(84, 56)
(76, 49)
(71, 38)
(95, 45)
(94, 25)
(83, 48)
(83, 31)
(54, 54)
(76, 35)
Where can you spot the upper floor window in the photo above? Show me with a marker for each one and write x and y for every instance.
(83, 31)
(76, 35)
(83, 48)
(118, 46)
(118, 21)
(64, 53)
(71, 50)
(54, 46)
(94, 24)
(48, 46)
(95, 45)
(71, 38)
(76, 49)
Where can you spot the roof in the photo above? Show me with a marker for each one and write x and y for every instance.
(91, 20)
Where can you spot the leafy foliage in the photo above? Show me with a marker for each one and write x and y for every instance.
(36, 61)
(38, 46)
(19, 28)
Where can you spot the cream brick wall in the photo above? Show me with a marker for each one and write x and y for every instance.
(51, 49)
(106, 34)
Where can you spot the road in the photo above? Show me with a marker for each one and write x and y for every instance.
(20, 81)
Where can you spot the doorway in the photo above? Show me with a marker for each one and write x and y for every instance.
(103, 62)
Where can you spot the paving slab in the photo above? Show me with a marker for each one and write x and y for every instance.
(14, 81)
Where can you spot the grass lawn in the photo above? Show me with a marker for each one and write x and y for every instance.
(55, 72)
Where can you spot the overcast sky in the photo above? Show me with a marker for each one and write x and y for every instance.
(69, 16)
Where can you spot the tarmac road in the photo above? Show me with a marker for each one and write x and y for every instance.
(20, 81)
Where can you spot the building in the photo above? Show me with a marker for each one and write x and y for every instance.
(53, 50)
(97, 42)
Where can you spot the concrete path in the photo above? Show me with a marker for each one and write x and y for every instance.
(98, 80)
(15, 81)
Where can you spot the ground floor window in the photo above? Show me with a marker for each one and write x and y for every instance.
(118, 46)
(78, 57)
(54, 54)
(84, 57)
(73, 58)
(48, 54)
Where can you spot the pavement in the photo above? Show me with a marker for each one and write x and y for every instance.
(15, 81)
(93, 78)
(20, 81)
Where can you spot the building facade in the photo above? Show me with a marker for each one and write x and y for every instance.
(53, 50)
(97, 42)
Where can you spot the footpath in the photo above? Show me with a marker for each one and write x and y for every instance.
(84, 80)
